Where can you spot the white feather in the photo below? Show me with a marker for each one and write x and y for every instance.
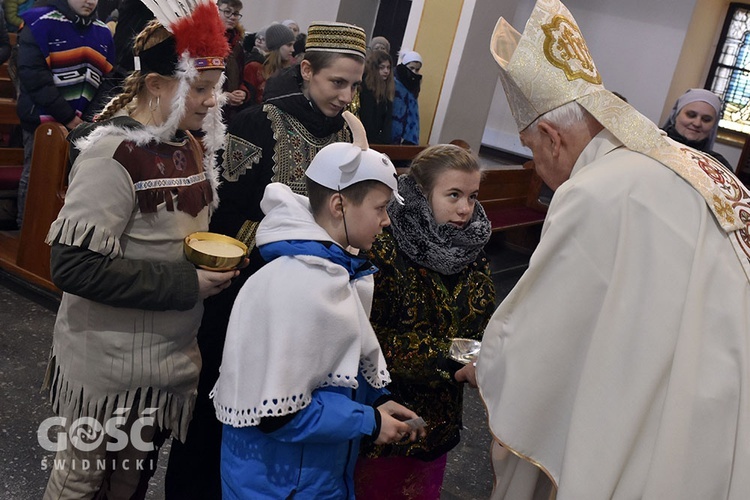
(169, 11)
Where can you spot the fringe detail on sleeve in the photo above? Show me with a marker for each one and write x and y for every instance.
(70, 400)
(74, 233)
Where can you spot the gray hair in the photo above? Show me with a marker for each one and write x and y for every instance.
(564, 116)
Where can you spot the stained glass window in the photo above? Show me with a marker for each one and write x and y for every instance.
(729, 76)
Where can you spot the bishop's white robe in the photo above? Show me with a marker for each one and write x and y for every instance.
(620, 362)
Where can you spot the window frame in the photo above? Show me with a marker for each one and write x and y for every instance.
(728, 135)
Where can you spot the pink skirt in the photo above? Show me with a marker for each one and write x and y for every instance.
(399, 477)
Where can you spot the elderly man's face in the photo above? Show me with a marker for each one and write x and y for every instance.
(550, 159)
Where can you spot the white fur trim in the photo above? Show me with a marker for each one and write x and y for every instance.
(213, 124)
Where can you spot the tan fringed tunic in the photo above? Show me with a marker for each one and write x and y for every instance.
(135, 203)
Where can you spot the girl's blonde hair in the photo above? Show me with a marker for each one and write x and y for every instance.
(274, 63)
(433, 161)
(152, 34)
(383, 90)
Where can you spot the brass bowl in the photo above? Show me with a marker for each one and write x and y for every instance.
(464, 351)
(213, 251)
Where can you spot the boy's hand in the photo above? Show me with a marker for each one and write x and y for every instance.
(212, 282)
(467, 374)
(392, 425)
(73, 123)
(236, 97)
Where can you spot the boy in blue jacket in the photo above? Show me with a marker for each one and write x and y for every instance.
(302, 377)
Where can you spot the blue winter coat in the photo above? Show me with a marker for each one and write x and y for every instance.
(313, 455)
(405, 126)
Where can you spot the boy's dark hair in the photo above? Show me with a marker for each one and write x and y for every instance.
(319, 194)
(321, 60)
(299, 44)
(234, 4)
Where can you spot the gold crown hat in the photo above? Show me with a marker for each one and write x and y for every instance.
(549, 65)
(336, 37)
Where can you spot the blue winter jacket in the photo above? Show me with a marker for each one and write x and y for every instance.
(313, 454)
(405, 125)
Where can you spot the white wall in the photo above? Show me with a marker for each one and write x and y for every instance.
(257, 14)
(635, 45)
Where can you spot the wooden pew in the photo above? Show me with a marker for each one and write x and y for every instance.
(11, 166)
(402, 155)
(510, 198)
(11, 159)
(743, 166)
(8, 114)
(27, 256)
(7, 87)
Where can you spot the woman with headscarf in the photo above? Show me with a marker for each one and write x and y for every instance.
(694, 121)
(380, 43)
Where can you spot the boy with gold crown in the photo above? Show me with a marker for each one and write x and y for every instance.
(297, 392)
(619, 363)
(124, 356)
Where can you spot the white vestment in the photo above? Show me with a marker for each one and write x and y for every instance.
(620, 361)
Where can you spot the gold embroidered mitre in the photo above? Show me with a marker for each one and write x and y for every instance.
(549, 65)
(546, 67)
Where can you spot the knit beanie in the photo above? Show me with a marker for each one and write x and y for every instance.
(278, 35)
(411, 56)
(380, 40)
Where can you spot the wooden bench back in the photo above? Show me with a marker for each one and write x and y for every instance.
(47, 185)
(402, 155)
(743, 167)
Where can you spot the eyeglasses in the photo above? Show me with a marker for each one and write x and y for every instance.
(229, 14)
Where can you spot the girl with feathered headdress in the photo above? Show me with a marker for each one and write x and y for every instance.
(124, 354)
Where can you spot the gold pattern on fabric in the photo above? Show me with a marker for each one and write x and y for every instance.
(246, 234)
(336, 37)
(239, 157)
(415, 314)
(538, 465)
(566, 49)
(741, 241)
(295, 148)
(723, 192)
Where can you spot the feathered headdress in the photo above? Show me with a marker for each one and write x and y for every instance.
(197, 43)
(198, 35)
